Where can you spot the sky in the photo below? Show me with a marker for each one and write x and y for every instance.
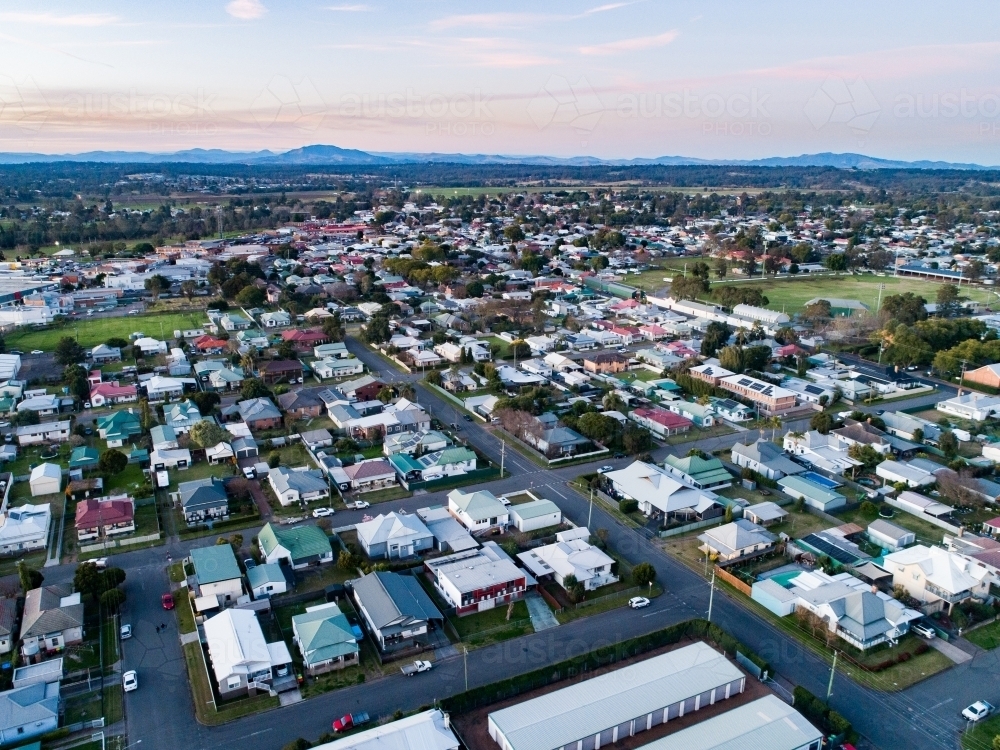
(608, 78)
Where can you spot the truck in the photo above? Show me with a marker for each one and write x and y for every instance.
(349, 721)
(418, 666)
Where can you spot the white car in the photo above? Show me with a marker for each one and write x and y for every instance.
(638, 602)
(100, 562)
(37, 351)
(978, 710)
(358, 505)
(605, 469)
(130, 681)
(922, 629)
(322, 512)
(126, 632)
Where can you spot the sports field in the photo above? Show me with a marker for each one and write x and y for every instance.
(90, 333)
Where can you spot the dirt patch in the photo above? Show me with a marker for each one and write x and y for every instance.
(474, 729)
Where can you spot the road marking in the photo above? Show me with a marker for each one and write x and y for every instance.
(936, 705)
(557, 492)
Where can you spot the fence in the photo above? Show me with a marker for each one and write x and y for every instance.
(732, 580)
(470, 477)
(924, 517)
(623, 594)
(578, 456)
(119, 543)
(691, 527)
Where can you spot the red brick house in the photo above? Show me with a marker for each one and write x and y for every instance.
(281, 371)
(305, 340)
(605, 362)
(209, 344)
(106, 516)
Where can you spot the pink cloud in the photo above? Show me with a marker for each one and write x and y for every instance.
(630, 45)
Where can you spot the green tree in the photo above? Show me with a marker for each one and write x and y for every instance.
(520, 349)
(156, 285)
(716, 336)
(643, 574)
(274, 460)
(75, 378)
(819, 311)
(836, 262)
(286, 350)
(206, 401)
(189, 289)
(68, 351)
(948, 444)
(474, 288)
(28, 577)
(377, 330)
(112, 578)
(112, 599)
(251, 296)
(689, 287)
(87, 580)
(208, 433)
(254, 388)
(907, 308)
(948, 301)
(513, 233)
(821, 422)
(112, 462)
(24, 418)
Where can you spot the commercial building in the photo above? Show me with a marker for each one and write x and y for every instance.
(429, 730)
(477, 580)
(619, 704)
(772, 399)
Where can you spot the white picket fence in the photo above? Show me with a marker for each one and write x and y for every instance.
(119, 543)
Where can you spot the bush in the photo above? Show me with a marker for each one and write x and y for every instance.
(628, 506)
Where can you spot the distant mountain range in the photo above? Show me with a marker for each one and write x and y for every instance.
(320, 155)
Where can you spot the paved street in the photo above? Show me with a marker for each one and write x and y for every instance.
(159, 714)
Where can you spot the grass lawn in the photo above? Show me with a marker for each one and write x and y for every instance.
(602, 602)
(926, 533)
(319, 578)
(35, 560)
(700, 433)
(987, 637)
(129, 481)
(493, 625)
(291, 455)
(504, 352)
(380, 496)
(185, 615)
(200, 470)
(982, 733)
(204, 700)
(83, 707)
(176, 572)
(90, 333)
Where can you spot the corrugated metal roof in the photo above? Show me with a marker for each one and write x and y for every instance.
(589, 707)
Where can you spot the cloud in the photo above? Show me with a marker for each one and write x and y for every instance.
(51, 19)
(349, 8)
(630, 45)
(494, 20)
(246, 10)
(605, 8)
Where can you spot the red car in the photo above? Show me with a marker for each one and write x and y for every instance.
(348, 722)
(167, 600)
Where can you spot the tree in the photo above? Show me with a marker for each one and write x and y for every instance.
(68, 351)
(274, 460)
(728, 516)
(286, 350)
(643, 574)
(87, 580)
(948, 301)
(208, 433)
(251, 296)
(731, 358)
(112, 462)
(689, 287)
(24, 418)
(513, 233)
(948, 444)
(721, 267)
(821, 422)
(189, 288)
(866, 454)
(29, 577)
(145, 414)
(156, 285)
(254, 388)
(819, 311)
(598, 427)
(112, 599)
(905, 308)
(474, 288)
(716, 336)
(75, 378)
(112, 578)
(377, 330)
(520, 349)
(836, 262)
(206, 401)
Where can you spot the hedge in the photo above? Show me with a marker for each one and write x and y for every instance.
(514, 686)
(819, 713)
(628, 506)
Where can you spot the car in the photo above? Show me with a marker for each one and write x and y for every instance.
(249, 563)
(416, 668)
(358, 505)
(638, 602)
(37, 351)
(249, 472)
(8, 438)
(504, 501)
(977, 711)
(922, 628)
(130, 681)
(133, 312)
(604, 469)
(167, 600)
(88, 430)
(15, 351)
(322, 512)
(623, 351)
(619, 455)
(349, 721)
(87, 404)
(467, 417)
(4, 424)
(125, 632)
(90, 313)
(100, 562)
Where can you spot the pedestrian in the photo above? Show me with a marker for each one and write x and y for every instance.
(157, 628)
(163, 626)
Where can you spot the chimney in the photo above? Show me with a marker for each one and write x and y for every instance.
(447, 720)
(874, 589)
(961, 531)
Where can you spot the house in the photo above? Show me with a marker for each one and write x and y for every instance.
(449, 534)
(106, 394)
(279, 319)
(823, 452)
(765, 458)
(711, 374)
(371, 474)
(119, 428)
(766, 513)
(267, 580)
(605, 362)
(732, 411)
(394, 536)
(302, 404)
(570, 555)
(426, 441)
(815, 496)
(703, 415)
(301, 547)
(450, 462)
(25, 528)
(938, 578)
(163, 437)
(150, 347)
(170, 459)
(259, 414)
(52, 620)
(241, 660)
(657, 491)
(896, 472)
(103, 354)
(84, 458)
(46, 479)
(701, 473)
(44, 404)
(217, 573)
(889, 536)
(976, 407)
(181, 416)
(660, 422)
(81, 489)
(771, 399)
(203, 499)
(364, 388)
(919, 505)
(219, 454)
(281, 371)
(325, 639)
(304, 339)
(738, 540)
(478, 511)
(314, 439)
(29, 712)
(477, 580)
(335, 350)
(299, 485)
(47, 432)
(863, 434)
(534, 515)
(396, 610)
(159, 388)
(104, 517)
(552, 439)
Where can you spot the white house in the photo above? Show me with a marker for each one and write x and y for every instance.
(151, 346)
(394, 536)
(938, 577)
(538, 514)
(25, 528)
(217, 573)
(48, 432)
(894, 472)
(334, 367)
(242, 661)
(571, 555)
(46, 479)
(478, 511)
(299, 485)
(179, 458)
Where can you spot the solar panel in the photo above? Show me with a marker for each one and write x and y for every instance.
(745, 382)
(757, 386)
(813, 389)
(830, 550)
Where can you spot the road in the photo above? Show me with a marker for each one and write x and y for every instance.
(159, 714)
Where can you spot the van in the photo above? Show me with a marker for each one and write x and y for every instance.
(249, 473)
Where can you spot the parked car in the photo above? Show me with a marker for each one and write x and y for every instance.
(5, 424)
(504, 501)
(167, 600)
(638, 602)
(37, 351)
(249, 472)
(100, 562)
(604, 469)
(349, 721)
(86, 404)
(249, 563)
(358, 505)
(133, 312)
(922, 628)
(322, 512)
(130, 681)
(619, 455)
(418, 666)
(125, 632)
(978, 710)
(466, 417)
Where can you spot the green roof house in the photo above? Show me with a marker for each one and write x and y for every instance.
(83, 458)
(217, 572)
(325, 639)
(301, 547)
(119, 427)
(699, 472)
(811, 494)
(266, 580)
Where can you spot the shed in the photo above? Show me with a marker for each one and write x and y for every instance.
(775, 597)
(889, 536)
(46, 479)
(765, 514)
(538, 514)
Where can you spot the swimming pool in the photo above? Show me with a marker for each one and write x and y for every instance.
(822, 481)
(783, 579)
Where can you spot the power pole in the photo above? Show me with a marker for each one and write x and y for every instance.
(591, 511)
(503, 455)
(881, 288)
(711, 595)
(465, 660)
(833, 668)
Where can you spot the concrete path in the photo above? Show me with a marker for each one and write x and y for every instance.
(953, 652)
(187, 638)
(541, 616)
(289, 697)
(55, 550)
